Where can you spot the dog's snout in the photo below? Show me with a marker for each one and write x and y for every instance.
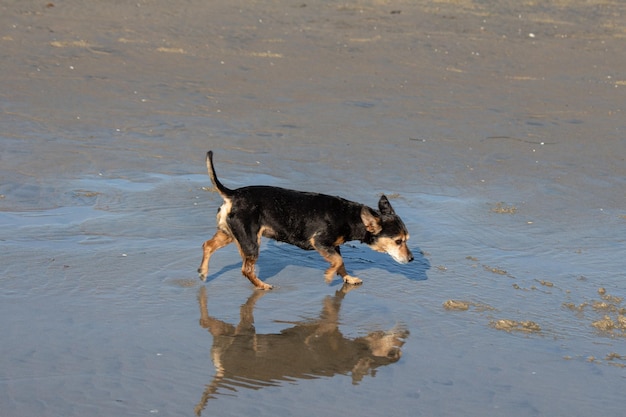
(410, 257)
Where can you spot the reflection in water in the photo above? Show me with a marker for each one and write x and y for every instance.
(307, 350)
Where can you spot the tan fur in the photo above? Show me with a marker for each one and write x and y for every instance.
(399, 252)
(337, 266)
(247, 269)
(372, 223)
(219, 240)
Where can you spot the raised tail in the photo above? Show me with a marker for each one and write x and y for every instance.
(225, 192)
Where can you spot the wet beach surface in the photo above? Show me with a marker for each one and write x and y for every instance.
(497, 129)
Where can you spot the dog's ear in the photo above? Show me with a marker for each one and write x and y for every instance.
(371, 220)
(385, 206)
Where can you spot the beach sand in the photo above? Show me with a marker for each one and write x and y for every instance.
(496, 128)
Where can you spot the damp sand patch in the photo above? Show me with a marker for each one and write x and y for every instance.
(511, 326)
(608, 315)
(503, 208)
(615, 359)
(614, 327)
(460, 305)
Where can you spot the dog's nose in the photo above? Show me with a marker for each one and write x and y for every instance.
(411, 257)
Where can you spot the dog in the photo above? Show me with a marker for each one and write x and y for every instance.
(314, 348)
(308, 220)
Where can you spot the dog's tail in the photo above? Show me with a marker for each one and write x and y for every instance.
(225, 192)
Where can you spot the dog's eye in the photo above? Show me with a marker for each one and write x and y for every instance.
(398, 242)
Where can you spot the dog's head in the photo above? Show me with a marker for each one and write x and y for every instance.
(386, 231)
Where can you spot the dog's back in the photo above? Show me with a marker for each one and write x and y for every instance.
(295, 217)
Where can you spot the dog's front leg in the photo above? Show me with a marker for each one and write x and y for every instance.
(337, 267)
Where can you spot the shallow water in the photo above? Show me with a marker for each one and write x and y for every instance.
(503, 153)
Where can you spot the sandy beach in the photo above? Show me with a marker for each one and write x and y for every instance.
(496, 128)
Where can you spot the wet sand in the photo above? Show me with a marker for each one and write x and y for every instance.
(496, 128)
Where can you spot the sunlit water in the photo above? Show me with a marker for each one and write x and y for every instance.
(105, 312)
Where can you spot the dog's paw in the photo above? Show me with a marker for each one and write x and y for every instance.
(265, 287)
(202, 275)
(352, 280)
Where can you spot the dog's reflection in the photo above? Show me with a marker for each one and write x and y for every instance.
(307, 350)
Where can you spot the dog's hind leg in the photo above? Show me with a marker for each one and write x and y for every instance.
(219, 240)
(247, 269)
(248, 239)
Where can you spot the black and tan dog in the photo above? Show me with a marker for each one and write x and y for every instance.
(310, 221)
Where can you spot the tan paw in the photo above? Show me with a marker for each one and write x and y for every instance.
(352, 280)
(202, 274)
